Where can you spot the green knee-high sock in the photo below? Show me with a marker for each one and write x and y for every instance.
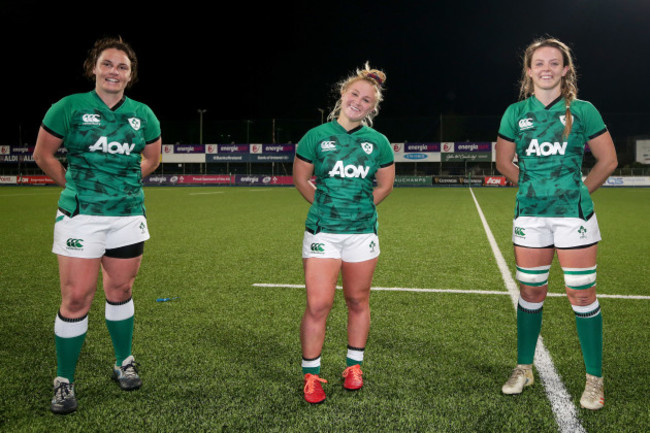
(69, 337)
(119, 321)
(529, 325)
(589, 323)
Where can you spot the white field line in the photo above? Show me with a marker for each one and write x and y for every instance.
(469, 292)
(563, 408)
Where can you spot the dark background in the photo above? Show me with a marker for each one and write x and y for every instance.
(279, 60)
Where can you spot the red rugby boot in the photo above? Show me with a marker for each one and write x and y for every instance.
(313, 389)
(353, 379)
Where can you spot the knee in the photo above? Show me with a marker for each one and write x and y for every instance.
(318, 310)
(581, 298)
(75, 304)
(357, 303)
(118, 291)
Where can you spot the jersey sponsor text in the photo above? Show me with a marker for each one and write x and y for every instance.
(545, 148)
(102, 145)
(349, 170)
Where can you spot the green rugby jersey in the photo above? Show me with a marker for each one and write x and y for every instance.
(550, 177)
(103, 145)
(345, 164)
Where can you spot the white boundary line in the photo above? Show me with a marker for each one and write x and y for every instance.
(469, 292)
(561, 404)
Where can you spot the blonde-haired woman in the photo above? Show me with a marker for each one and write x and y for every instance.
(547, 131)
(345, 155)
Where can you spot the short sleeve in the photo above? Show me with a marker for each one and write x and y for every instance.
(506, 128)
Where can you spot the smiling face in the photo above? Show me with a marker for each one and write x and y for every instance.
(547, 68)
(357, 101)
(112, 72)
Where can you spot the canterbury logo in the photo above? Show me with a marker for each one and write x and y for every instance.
(317, 247)
(519, 231)
(327, 145)
(92, 119)
(526, 123)
(74, 243)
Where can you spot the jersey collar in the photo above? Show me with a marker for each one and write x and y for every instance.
(549, 106)
(340, 127)
(114, 107)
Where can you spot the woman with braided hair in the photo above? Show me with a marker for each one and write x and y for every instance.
(345, 155)
(547, 131)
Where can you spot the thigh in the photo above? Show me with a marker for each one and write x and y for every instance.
(78, 279)
(118, 276)
(533, 257)
(357, 278)
(321, 276)
(578, 257)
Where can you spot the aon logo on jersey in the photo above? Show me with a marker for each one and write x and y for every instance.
(545, 148)
(349, 170)
(102, 145)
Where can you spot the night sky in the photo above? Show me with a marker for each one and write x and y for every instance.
(281, 59)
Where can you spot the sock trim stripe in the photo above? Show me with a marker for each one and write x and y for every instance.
(528, 310)
(310, 359)
(358, 349)
(65, 319)
(588, 315)
(119, 303)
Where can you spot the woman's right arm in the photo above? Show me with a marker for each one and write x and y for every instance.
(44, 156)
(505, 153)
(302, 173)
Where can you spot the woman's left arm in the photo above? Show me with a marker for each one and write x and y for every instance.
(602, 147)
(150, 157)
(385, 178)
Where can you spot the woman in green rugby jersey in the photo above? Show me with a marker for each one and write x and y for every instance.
(112, 142)
(546, 131)
(345, 155)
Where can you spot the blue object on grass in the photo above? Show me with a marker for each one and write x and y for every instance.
(166, 299)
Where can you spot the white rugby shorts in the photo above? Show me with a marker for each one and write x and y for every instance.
(347, 247)
(551, 232)
(89, 236)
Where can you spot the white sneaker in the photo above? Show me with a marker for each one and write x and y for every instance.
(521, 377)
(594, 396)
